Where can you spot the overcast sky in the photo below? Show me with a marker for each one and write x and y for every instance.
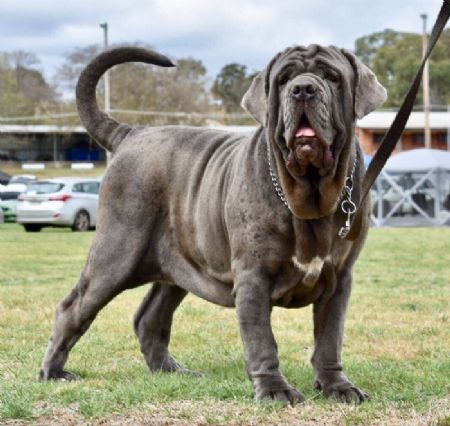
(216, 31)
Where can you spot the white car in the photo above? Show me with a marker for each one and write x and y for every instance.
(25, 179)
(71, 202)
(8, 200)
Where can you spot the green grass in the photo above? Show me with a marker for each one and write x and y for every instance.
(397, 345)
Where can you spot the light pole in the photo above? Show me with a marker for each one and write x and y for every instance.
(104, 26)
(426, 84)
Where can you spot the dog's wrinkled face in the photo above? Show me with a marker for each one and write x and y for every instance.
(308, 98)
(309, 117)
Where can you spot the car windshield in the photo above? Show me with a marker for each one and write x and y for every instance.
(21, 179)
(9, 196)
(44, 187)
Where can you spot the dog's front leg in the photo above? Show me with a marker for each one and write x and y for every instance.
(252, 294)
(329, 318)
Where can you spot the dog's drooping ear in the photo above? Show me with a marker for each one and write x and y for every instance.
(369, 93)
(255, 99)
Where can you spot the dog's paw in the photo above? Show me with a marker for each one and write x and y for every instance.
(187, 372)
(342, 391)
(62, 375)
(274, 387)
(170, 365)
(287, 396)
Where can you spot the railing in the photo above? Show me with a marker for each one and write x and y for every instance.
(424, 202)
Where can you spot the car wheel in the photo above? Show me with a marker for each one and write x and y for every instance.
(81, 222)
(32, 227)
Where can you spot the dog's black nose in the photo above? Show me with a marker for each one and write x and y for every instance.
(303, 92)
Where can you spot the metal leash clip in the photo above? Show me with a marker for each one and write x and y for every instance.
(348, 207)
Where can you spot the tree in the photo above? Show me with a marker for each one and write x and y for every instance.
(150, 88)
(67, 74)
(230, 85)
(23, 88)
(395, 57)
(142, 87)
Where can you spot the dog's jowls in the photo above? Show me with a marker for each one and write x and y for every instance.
(195, 210)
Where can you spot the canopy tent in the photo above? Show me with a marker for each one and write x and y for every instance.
(367, 160)
(418, 160)
(414, 189)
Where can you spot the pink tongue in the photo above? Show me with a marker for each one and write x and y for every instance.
(307, 132)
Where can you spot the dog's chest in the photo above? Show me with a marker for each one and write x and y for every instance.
(301, 283)
(310, 271)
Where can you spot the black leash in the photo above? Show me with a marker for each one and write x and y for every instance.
(395, 131)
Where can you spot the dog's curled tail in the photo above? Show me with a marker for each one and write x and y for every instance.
(104, 129)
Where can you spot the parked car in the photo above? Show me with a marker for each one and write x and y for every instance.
(25, 179)
(8, 200)
(71, 202)
(4, 177)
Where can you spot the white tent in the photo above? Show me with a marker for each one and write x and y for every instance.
(418, 160)
(414, 189)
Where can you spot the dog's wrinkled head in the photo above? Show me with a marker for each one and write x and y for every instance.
(308, 98)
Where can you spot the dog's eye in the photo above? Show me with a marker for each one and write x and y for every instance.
(283, 79)
(331, 76)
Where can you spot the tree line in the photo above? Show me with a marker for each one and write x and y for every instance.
(25, 92)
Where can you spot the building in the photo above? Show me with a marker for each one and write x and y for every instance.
(371, 129)
(72, 143)
(48, 143)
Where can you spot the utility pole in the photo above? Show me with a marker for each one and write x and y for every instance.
(104, 26)
(448, 130)
(426, 85)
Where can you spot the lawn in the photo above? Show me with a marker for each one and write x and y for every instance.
(397, 345)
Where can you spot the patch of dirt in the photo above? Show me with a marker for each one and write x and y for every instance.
(201, 413)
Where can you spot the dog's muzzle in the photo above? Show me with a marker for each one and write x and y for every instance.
(308, 143)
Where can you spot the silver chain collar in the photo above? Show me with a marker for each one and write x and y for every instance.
(348, 207)
(275, 183)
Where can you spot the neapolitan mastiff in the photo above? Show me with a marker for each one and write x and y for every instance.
(244, 221)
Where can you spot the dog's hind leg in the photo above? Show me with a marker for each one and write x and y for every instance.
(153, 323)
(110, 269)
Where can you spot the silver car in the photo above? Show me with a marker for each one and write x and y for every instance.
(71, 202)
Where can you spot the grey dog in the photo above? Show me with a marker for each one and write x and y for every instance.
(242, 221)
